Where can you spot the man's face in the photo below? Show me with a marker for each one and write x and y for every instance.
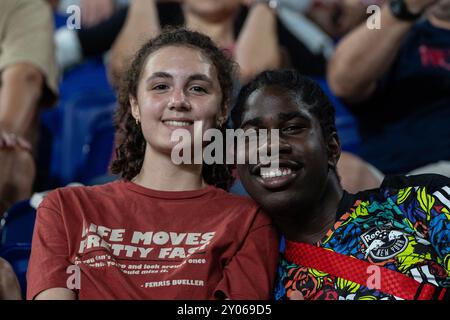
(303, 156)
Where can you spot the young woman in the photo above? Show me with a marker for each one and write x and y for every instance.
(164, 231)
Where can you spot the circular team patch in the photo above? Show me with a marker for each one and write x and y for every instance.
(383, 243)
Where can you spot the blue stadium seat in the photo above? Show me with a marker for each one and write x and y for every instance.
(87, 138)
(18, 224)
(238, 188)
(346, 123)
(15, 238)
(81, 126)
(18, 257)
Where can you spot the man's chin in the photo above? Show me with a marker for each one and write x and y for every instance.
(275, 201)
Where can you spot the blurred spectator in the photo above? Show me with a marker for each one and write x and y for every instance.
(9, 286)
(307, 29)
(101, 21)
(286, 33)
(219, 19)
(92, 11)
(356, 174)
(28, 82)
(397, 82)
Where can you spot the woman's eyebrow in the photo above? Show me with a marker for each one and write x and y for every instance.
(159, 74)
(193, 77)
(200, 77)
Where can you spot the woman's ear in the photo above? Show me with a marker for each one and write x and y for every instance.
(334, 150)
(134, 108)
(222, 115)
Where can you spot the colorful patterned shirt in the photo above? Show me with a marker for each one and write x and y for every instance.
(404, 226)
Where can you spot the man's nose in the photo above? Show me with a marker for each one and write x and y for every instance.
(276, 143)
(179, 101)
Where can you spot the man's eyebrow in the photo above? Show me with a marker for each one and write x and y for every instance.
(255, 122)
(286, 116)
(283, 116)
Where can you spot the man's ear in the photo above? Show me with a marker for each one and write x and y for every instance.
(134, 108)
(334, 150)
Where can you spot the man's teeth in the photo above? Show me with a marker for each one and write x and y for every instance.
(267, 173)
(178, 123)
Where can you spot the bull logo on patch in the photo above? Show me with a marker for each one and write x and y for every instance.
(383, 243)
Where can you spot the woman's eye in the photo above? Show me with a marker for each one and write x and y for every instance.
(160, 87)
(198, 89)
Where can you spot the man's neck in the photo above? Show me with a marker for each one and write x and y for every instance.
(311, 223)
(158, 172)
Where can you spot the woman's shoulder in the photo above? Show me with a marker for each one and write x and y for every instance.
(221, 193)
(243, 209)
(72, 192)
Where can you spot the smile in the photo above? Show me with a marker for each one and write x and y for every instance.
(275, 172)
(178, 123)
(277, 178)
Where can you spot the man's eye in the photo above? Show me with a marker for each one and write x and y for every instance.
(293, 129)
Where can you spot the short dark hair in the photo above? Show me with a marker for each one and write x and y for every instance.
(303, 88)
(131, 149)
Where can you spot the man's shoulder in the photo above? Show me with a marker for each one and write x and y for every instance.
(430, 181)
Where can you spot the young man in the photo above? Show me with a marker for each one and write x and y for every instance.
(391, 242)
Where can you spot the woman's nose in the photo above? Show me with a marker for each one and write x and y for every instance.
(178, 101)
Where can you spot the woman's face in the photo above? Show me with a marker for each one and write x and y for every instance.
(178, 86)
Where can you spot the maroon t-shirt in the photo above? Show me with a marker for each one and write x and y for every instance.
(123, 241)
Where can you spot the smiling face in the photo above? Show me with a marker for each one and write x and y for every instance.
(304, 155)
(178, 86)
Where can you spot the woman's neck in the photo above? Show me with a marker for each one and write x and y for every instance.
(221, 32)
(158, 172)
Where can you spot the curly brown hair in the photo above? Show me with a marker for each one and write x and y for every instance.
(131, 141)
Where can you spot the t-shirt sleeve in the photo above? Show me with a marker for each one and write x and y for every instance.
(250, 273)
(426, 201)
(438, 216)
(49, 252)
